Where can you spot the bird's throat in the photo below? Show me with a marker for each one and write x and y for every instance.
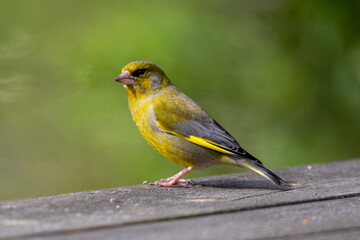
(130, 90)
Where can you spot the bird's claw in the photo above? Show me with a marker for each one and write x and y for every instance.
(168, 182)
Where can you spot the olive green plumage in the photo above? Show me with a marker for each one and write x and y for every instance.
(179, 128)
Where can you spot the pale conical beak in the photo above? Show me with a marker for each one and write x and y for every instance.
(125, 78)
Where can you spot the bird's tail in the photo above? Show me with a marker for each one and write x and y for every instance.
(260, 169)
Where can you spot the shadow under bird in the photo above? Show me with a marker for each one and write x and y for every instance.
(178, 128)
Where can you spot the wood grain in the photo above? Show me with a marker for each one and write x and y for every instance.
(323, 202)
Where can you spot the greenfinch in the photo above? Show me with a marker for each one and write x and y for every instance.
(178, 128)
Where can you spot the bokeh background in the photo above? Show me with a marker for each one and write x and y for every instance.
(282, 76)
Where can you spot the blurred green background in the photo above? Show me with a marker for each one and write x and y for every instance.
(283, 77)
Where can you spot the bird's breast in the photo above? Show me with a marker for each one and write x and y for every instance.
(176, 149)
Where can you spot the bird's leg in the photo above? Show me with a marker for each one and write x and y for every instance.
(174, 180)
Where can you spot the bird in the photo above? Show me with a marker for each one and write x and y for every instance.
(178, 128)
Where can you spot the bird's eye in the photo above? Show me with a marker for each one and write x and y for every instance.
(139, 72)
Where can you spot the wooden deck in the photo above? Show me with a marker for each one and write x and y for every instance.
(324, 204)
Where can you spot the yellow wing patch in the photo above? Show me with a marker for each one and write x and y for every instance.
(199, 141)
(207, 143)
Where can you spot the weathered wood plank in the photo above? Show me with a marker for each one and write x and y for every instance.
(311, 220)
(344, 234)
(136, 205)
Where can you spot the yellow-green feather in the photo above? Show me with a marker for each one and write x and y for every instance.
(181, 130)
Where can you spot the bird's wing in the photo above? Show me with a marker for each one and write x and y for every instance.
(182, 117)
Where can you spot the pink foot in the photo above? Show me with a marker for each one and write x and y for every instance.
(168, 182)
(174, 180)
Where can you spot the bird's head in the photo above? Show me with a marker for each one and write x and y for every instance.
(142, 77)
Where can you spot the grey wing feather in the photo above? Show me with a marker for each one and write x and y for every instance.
(209, 129)
(196, 122)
